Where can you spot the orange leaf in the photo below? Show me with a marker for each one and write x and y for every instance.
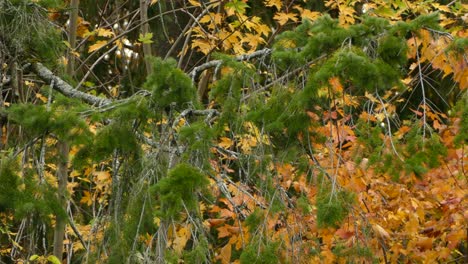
(454, 237)
(425, 243)
(226, 254)
(336, 84)
(223, 231)
(344, 234)
(215, 222)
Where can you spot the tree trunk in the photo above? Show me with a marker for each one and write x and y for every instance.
(63, 146)
(60, 218)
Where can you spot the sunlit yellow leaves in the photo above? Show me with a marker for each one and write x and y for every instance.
(103, 32)
(203, 46)
(274, 3)
(225, 143)
(283, 18)
(97, 46)
(82, 29)
(86, 198)
(41, 97)
(307, 14)
(180, 238)
(103, 181)
(346, 15)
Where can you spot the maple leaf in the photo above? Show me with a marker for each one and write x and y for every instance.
(182, 236)
(202, 45)
(96, 46)
(86, 199)
(282, 17)
(225, 143)
(276, 3)
(102, 32)
(236, 6)
(146, 39)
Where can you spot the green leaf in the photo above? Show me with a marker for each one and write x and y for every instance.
(146, 39)
(33, 257)
(238, 6)
(53, 259)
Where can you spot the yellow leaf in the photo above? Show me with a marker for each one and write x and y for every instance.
(225, 142)
(262, 29)
(202, 45)
(102, 32)
(276, 3)
(86, 199)
(194, 3)
(412, 225)
(312, 16)
(98, 45)
(102, 175)
(380, 231)
(205, 19)
(182, 236)
(282, 18)
(41, 97)
(155, 1)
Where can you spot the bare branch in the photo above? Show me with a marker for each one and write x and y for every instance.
(215, 63)
(66, 89)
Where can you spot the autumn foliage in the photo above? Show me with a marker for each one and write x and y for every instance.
(266, 131)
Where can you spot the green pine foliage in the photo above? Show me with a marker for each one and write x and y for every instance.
(170, 86)
(422, 153)
(198, 136)
(26, 31)
(356, 252)
(116, 136)
(37, 120)
(180, 190)
(199, 254)
(9, 189)
(255, 219)
(264, 254)
(333, 206)
(304, 204)
(24, 196)
(282, 110)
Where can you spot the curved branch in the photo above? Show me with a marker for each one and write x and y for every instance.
(66, 89)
